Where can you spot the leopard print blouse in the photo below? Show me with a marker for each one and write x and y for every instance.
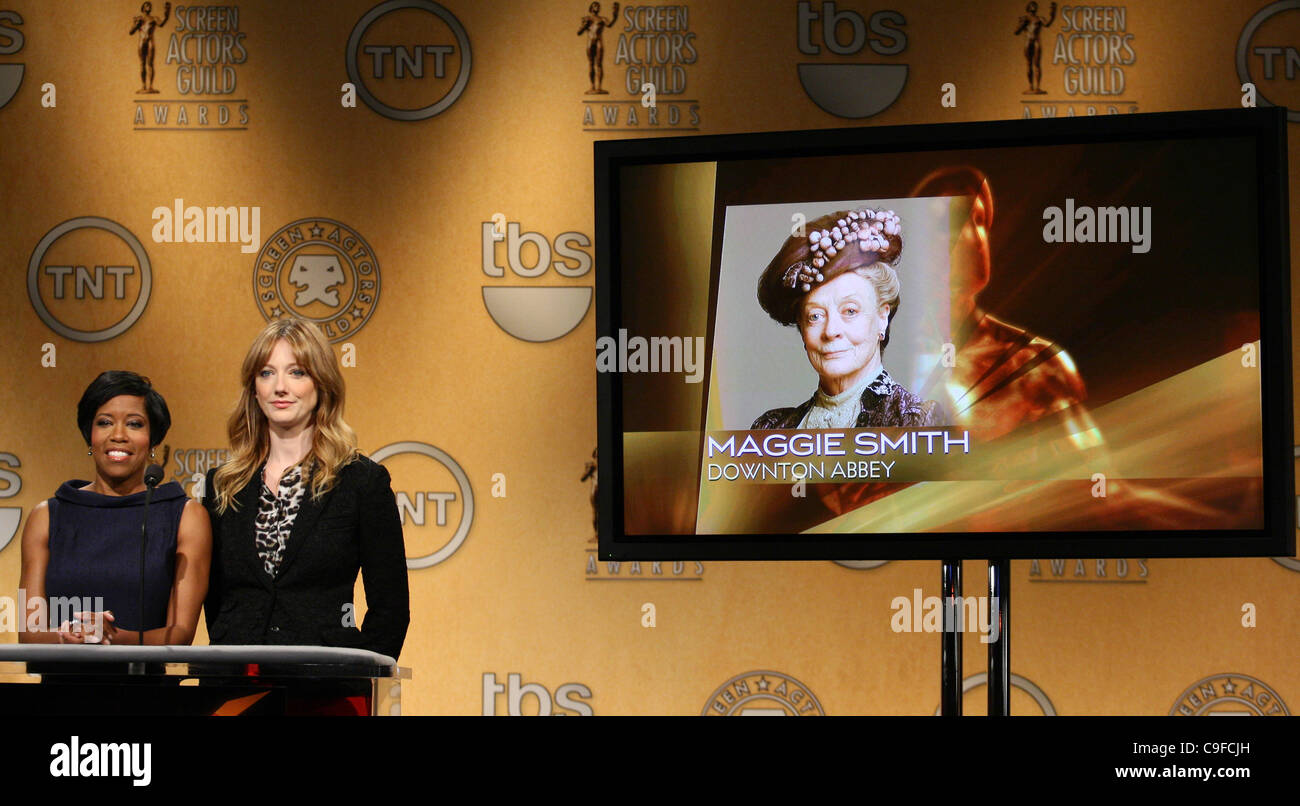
(275, 517)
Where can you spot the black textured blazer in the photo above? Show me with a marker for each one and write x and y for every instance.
(353, 527)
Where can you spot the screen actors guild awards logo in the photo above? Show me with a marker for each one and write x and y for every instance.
(763, 693)
(1229, 695)
(11, 42)
(636, 571)
(1094, 48)
(321, 270)
(206, 46)
(1113, 570)
(655, 46)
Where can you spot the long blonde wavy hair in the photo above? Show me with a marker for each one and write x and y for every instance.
(334, 443)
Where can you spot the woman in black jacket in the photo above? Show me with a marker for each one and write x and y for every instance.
(297, 511)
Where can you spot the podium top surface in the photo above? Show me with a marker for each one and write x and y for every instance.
(215, 660)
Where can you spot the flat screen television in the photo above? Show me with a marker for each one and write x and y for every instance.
(1031, 338)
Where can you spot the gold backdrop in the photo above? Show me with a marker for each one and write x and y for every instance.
(521, 593)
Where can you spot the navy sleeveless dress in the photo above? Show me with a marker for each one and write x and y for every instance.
(95, 552)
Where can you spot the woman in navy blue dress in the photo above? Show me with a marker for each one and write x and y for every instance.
(81, 548)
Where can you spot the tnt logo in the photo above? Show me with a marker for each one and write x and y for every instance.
(89, 279)
(1271, 56)
(409, 59)
(11, 41)
(1267, 56)
(411, 509)
(533, 312)
(434, 500)
(843, 89)
(570, 697)
(10, 517)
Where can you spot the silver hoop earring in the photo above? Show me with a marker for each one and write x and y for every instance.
(90, 451)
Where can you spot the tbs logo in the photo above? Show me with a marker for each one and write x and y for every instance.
(570, 696)
(850, 90)
(534, 313)
(11, 42)
(10, 517)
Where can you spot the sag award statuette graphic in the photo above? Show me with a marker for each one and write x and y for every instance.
(1032, 25)
(321, 270)
(590, 474)
(144, 24)
(594, 25)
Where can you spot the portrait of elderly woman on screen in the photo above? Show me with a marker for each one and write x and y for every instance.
(840, 286)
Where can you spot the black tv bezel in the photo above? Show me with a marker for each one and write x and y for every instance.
(1277, 539)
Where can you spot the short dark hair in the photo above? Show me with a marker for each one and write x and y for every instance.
(117, 382)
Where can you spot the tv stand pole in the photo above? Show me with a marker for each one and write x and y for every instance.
(1000, 650)
(950, 648)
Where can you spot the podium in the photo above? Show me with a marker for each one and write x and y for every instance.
(67, 680)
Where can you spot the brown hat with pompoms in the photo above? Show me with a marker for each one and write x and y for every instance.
(835, 243)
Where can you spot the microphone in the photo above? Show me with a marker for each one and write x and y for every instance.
(152, 475)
